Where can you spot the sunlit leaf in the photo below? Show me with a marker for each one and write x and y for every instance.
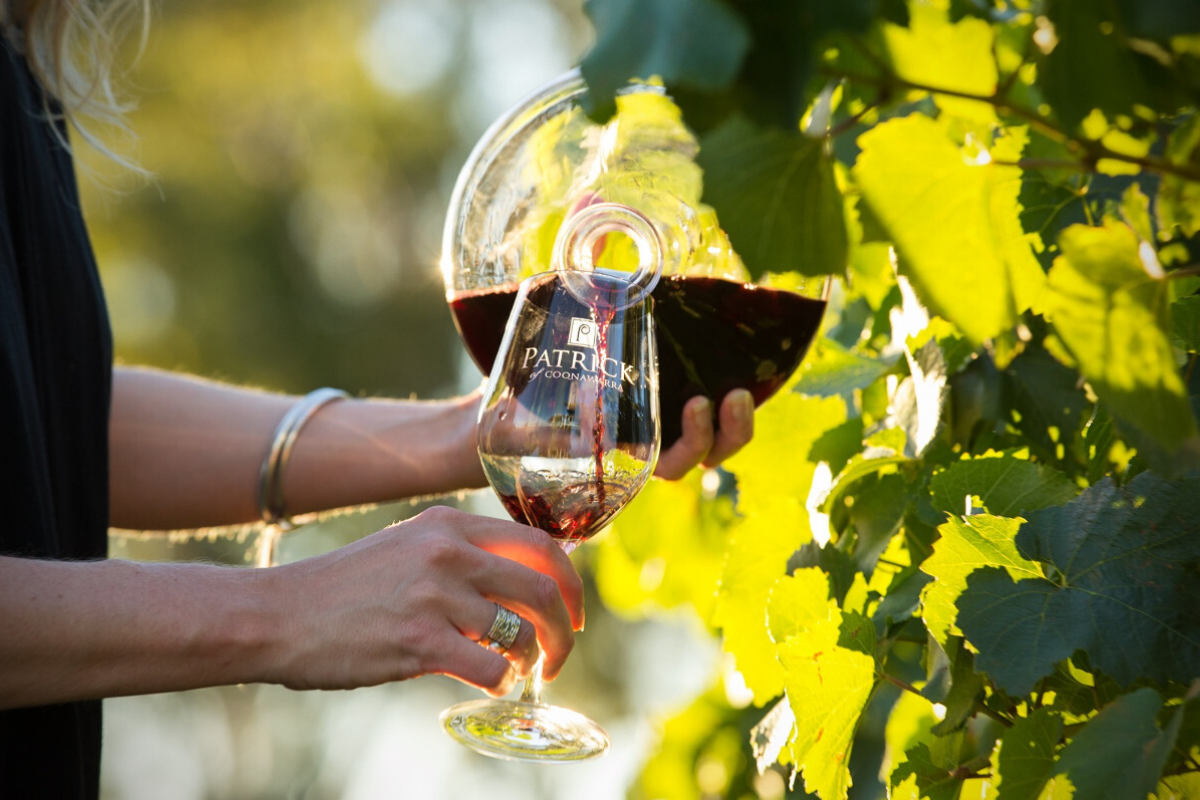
(757, 558)
(1006, 484)
(956, 56)
(954, 224)
(1179, 198)
(924, 775)
(827, 686)
(1114, 318)
(966, 544)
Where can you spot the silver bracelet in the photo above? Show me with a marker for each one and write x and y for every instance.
(270, 478)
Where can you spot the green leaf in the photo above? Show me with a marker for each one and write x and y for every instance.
(1025, 761)
(965, 687)
(1091, 65)
(1120, 753)
(956, 56)
(1124, 561)
(827, 686)
(776, 462)
(937, 206)
(798, 602)
(1185, 322)
(1006, 483)
(757, 558)
(923, 775)
(966, 544)
(921, 403)
(1179, 198)
(776, 196)
(879, 508)
(1045, 402)
(1114, 319)
(830, 369)
(699, 44)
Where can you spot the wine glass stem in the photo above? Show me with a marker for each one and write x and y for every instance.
(532, 693)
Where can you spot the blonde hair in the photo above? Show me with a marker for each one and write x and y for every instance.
(71, 47)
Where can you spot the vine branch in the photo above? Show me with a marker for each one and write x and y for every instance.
(979, 708)
(1090, 150)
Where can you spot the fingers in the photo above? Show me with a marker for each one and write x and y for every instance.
(695, 443)
(522, 569)
(535, 549)
(737, 426)
(704, 443)
(536, 598)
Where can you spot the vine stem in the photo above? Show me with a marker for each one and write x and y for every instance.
(979, 707)
(1093, 151)
(1184, 272)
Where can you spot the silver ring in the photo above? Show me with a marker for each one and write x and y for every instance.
(504, 630)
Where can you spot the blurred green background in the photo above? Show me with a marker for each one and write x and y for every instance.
(303, 155)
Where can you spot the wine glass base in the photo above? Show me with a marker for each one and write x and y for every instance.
(518, 731)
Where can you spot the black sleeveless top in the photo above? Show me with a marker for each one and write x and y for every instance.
(55, 388)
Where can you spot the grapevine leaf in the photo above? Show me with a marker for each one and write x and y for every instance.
(1179, 198)
(1114, 318)
(965, 687)
(776, 196)
(1179, 787)
(879, 508)
(1006, 483)
(956, 56)
(838, 568)
(775, 463)
(833, 370)
(967, 544)
(1124, 560)
(922, 399)
(936, 207)
(827, 686)
(924, 775)
(1120, 753)
(1088, 67)
(1044, 400)
(1079, 693)
(700, 44)
(798, 602)
(1186, 748)
(903, 597)
(1185, 322)
(838, 445)
(1025, 761)
(758, 553)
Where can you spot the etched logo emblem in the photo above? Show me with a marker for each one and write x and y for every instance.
(583, 333)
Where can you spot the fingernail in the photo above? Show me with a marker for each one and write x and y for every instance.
(702, 411)
(743, 406)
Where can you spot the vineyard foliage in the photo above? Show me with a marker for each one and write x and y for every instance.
(966, 538)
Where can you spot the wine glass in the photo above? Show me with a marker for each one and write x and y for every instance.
(568, 434)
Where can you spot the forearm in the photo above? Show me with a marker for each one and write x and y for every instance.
(186, 453)
(79, 630)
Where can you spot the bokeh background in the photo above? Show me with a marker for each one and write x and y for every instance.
(302, 157)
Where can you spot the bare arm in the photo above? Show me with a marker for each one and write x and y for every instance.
(410, 600)
(186, 453)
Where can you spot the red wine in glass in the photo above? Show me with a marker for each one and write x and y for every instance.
(714, 335)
